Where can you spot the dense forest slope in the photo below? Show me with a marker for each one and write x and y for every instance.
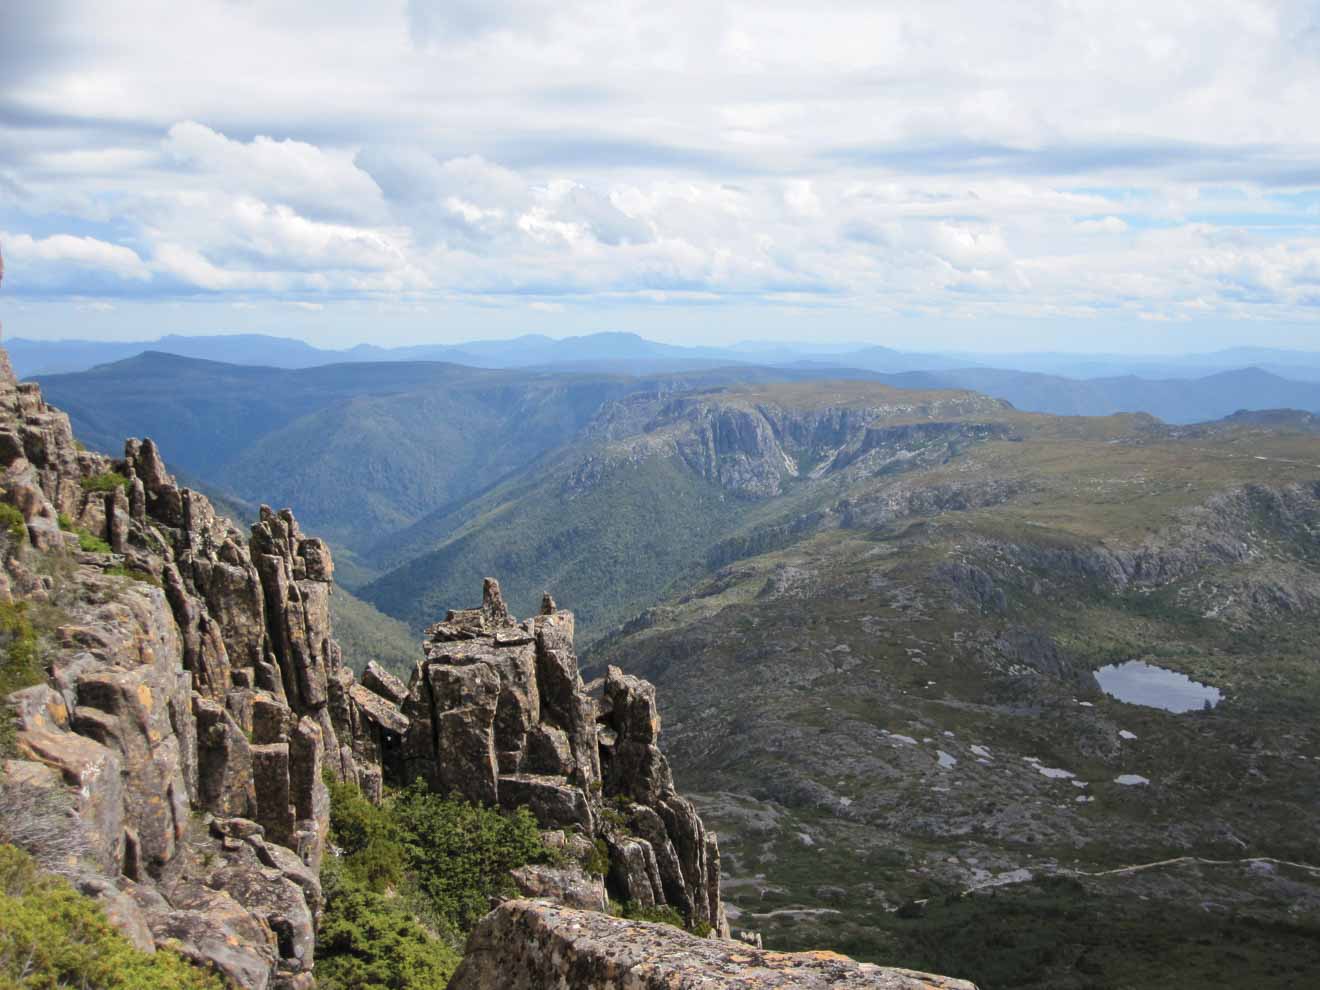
(659, 481)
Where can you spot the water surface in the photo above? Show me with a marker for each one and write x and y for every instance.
(1140, 683)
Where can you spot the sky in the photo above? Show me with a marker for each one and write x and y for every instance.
(940, 174)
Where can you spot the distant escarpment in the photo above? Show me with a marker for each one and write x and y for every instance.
(712, 472)
(175, 702)
(755, 442)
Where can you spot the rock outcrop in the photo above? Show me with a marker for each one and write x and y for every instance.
(527, 945)
(170, 761)
(496, 712)
(193, 694)
(752, 445)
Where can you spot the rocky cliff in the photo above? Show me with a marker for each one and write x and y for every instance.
(189, 696)
(754, 443)
(171, 759)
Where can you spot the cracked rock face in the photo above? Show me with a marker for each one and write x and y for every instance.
(527, 945)
(171, 763)
(193, 683)
(496, 712)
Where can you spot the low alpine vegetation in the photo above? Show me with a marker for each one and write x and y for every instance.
(412, 876)
(107, 481)
(52, 936)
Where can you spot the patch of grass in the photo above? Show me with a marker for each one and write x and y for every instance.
(133, 574)
(53, 936)
(660, 915)
(13, 523)
(92, 544)
(106, 481)
(20, 662)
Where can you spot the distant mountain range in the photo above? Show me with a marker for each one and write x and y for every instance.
(617, 352)
(628, 353)
(414, 469)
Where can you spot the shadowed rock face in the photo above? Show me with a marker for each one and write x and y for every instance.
(527, 945)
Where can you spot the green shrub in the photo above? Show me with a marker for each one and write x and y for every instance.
(598, 863)
(66, 524)
(133, 574)
(371, 844)
(412, 876)
(92, 544)
(20, 662)
(460, 854)
(371, 941)
(13, 523)
(107, 481)
(53, 937)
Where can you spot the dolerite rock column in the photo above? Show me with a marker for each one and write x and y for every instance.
(171, 761)
(664, 834)
(497, 713)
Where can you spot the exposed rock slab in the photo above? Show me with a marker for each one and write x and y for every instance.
(529, 945)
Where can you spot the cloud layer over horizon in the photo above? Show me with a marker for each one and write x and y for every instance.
(425, 169)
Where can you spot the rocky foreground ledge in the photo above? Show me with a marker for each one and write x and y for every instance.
(529, 945)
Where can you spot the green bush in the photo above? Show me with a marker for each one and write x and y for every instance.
(107, 481)
(20, 662)
(460, 854)
(371, 941)
(92, 544)
(66, 524)
(412, 876)
(53, 937)
(598, 863)
(13, 523)
(370, 841)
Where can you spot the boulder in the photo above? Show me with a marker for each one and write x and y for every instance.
(529, 945)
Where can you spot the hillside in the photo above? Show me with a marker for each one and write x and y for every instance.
(361, 451)
(658, 482)
(182, 745)
(1174, 400)
(424, 476)
(896, 703)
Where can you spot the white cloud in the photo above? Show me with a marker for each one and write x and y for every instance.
(81, 253)
(286, 171)
(1103, 225)
(1060, 160)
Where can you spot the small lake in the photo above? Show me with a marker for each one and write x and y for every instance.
(1140, 683)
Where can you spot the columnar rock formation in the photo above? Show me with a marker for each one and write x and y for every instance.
(170, 762)
(193, 696)
(497, 712)
(195, 693)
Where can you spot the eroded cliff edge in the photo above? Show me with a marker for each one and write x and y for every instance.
(170, 761)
